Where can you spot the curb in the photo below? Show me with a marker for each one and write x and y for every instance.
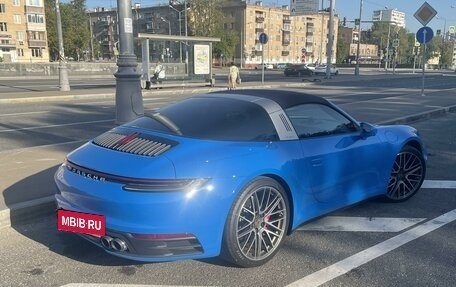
(26, 212)
(177, 89)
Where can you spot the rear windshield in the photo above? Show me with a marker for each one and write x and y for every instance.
(212, 118)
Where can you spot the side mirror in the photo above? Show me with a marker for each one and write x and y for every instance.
(367, 130)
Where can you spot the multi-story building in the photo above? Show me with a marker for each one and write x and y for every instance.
(155, 20)
(368, 53)
(291, 38)
(23, 36)
(390, 16)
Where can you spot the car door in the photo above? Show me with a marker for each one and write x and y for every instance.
(341, 164)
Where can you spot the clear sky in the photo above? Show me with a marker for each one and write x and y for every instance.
(446, 9)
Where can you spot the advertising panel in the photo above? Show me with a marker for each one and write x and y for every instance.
(201, 59)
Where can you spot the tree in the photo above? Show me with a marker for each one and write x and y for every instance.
(227, 45)
(51, 27)
(446, 58)
(206, 17)
(206, 20)
(343, 50)
(406, 41)
(75, 29)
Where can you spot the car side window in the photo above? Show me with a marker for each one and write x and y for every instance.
(312, 120)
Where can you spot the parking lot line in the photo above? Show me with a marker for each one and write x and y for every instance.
(346, 265)
(439, 184)
(361, 224)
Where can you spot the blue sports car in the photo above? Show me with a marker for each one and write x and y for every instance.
(230, 174)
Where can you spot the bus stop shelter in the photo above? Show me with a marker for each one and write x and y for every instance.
(187, 60)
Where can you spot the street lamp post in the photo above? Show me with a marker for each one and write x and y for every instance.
(387, 47)
(179, 14)
(63, 73)
(129, 103)
(169, 33)
(169, 25)
(186, 32)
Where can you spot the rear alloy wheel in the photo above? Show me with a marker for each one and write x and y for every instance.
(257, 223)
(407, 175)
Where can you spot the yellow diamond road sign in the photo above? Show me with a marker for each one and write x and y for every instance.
(425, 13)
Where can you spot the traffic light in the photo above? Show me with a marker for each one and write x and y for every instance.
(394, 52)
(344, 22)
(439, 32)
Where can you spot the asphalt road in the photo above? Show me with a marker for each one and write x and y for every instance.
(37, 255)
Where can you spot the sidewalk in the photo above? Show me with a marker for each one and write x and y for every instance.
(27, 184)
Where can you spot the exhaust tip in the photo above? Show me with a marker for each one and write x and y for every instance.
(106, 241)
(118, 244)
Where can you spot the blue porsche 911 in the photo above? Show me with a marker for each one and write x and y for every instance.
(230, 174)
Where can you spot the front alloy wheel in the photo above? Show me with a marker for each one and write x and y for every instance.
(407, 175)
(257, 223)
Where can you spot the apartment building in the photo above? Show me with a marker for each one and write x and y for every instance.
(389, 15)
(23, 36)
(368, 53)
(291, 39)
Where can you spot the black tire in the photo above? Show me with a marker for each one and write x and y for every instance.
(407, 175)
(260, 214)
(337, 73)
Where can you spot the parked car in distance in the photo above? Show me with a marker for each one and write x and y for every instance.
(311, 66)
(266, 66)
(298, 70)
(321, 70)
(282, 66)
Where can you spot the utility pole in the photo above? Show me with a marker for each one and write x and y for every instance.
(63, 72)
(186, 34)
(359, 38)
(92, 58)
(129, 102)
(330, 39)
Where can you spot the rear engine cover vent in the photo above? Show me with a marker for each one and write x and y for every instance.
(134, 143)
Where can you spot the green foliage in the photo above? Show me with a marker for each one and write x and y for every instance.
(206, 20)
(51, 27)
(227, 45)
(447, 55)
(75, 29)
(379, 36)
(343, 50)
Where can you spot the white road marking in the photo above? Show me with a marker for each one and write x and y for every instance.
(21, 114)
(346, 265)
(439, 184)
(54, 126)
(361, 224)
(119, 285)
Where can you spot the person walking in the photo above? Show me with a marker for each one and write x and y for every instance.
(233, 77)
